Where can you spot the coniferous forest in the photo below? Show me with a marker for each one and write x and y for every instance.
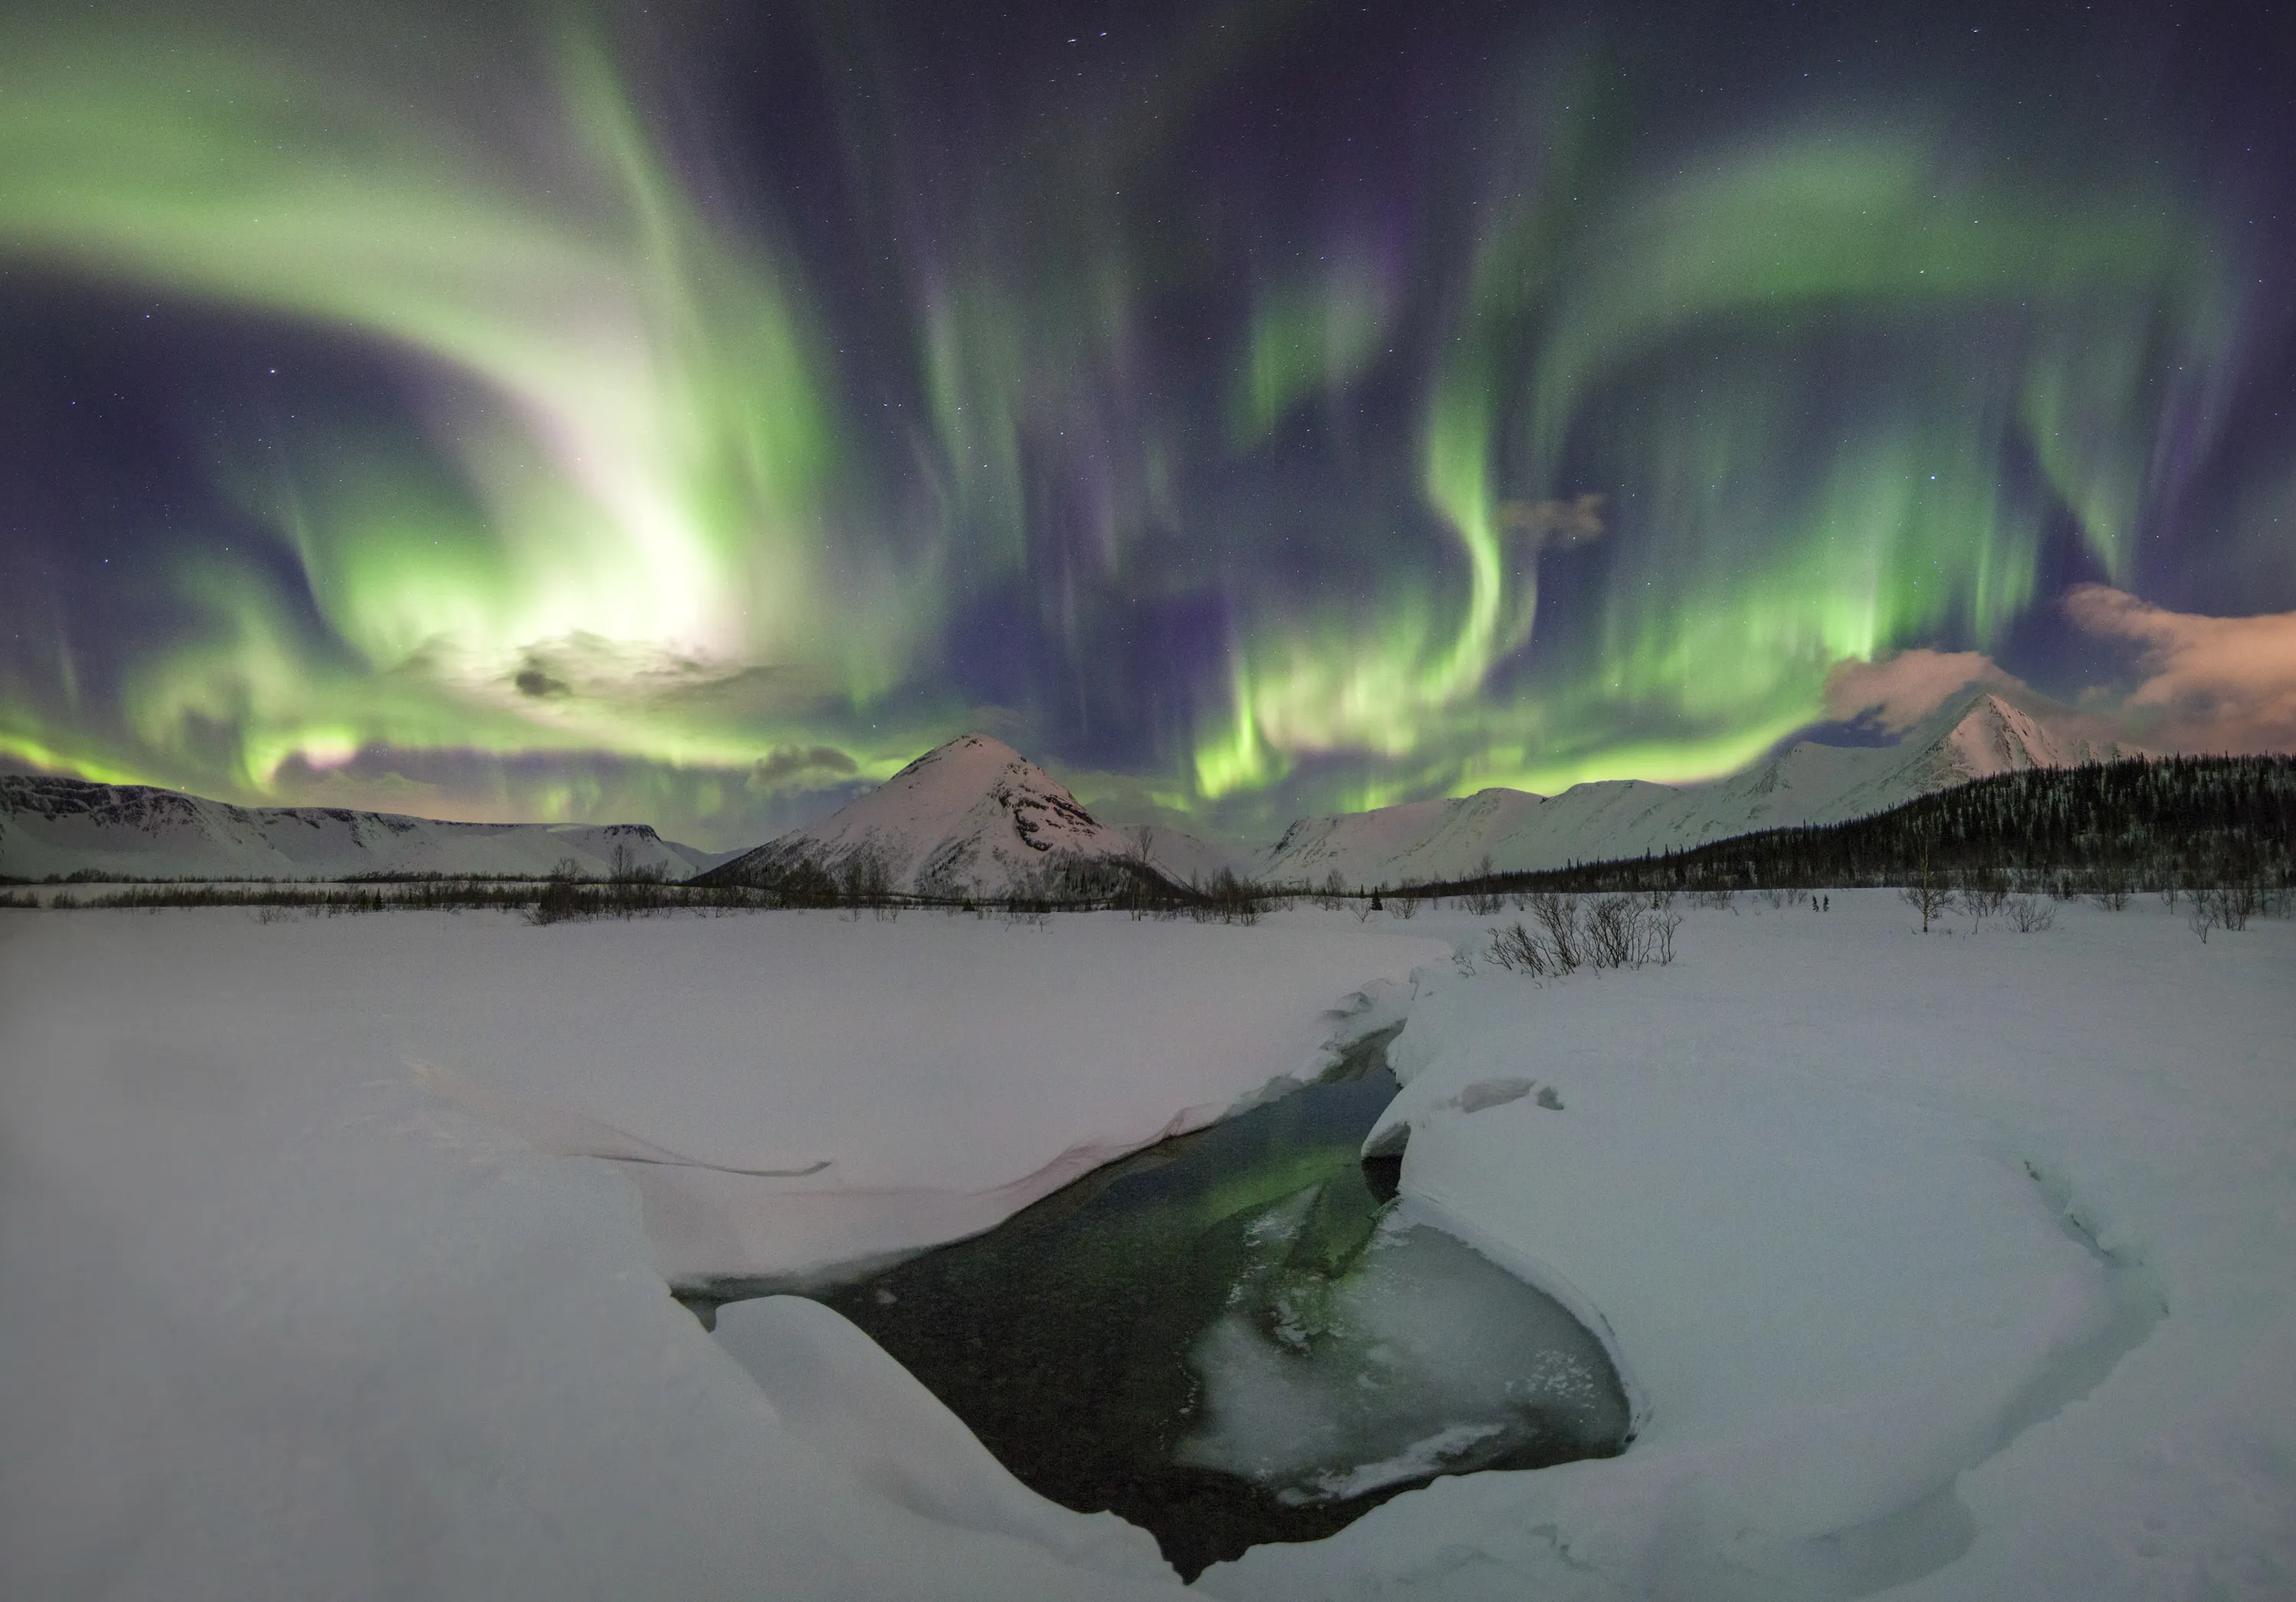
(2153, 825)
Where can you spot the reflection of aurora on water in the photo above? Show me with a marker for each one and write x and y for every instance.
(1252, 407)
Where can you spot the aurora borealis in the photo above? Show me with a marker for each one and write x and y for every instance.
(625, 411)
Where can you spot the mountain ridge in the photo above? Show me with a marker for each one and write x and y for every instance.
(53, 825)
(1974, 735)
(974, 818)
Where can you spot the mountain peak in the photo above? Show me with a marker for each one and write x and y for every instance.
(968, 818)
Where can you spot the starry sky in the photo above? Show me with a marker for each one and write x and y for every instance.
(689, 414)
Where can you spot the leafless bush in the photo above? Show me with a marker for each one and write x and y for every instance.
(2028, 915)
(1777, 898)
(1609, 932)
(1404, 907)
(2224, 906)
(1984, 893)
(1518, 950)
(1558, 916)
(559, 901)
(2109, 889)
(1717, 896)
(1614, 932)
(1334, 895)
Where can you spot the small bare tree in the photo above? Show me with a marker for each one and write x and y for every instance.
(1928, 894)
(1484, 900)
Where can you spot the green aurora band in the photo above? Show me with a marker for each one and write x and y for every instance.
(1836, 385)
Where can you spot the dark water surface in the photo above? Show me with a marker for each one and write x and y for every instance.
(1237, 1336)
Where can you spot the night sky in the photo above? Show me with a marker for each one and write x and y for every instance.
(690, 414)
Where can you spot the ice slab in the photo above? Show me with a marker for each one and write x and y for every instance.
(1423, 1357)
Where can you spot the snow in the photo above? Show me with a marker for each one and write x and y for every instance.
(281, 1320)
(1959, 1262)
(1964, 1265)
(1976, 737)
(60, 826)
(836, 1387)
(973, 818)
(1013, 1058)
(1425, 1355)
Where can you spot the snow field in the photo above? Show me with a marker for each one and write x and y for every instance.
(1959, 1264)
(302, 1298)
(284, 1318)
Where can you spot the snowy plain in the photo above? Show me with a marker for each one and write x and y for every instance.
(1964, 1265)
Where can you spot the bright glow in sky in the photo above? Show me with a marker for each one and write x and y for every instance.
(1259, 409)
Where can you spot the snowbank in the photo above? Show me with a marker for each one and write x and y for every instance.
(1960, 1263)
(282, 1321)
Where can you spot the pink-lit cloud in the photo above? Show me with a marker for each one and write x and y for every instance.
(1901, 690)
(2210, 683)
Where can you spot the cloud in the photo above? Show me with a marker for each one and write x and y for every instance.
(787, 762)
(2211, 684)
(535, 682)
(1555, 525)
(1902, 690)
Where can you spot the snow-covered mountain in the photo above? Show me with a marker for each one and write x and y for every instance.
(975, 817)
(971, 817)
(60, 826)
(1974, 736)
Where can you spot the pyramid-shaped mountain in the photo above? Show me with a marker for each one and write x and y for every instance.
(973, 818)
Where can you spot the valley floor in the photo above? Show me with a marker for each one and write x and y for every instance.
(1956, 1265)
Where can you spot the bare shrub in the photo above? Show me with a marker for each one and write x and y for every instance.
(1611, 927)
(2028, 915)
(1614, 932)
(1558, 916)
(1983, 892)
(1718, 897)
(1777, 898)
(1518, 950)
(559, 901)
(2224, 906)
